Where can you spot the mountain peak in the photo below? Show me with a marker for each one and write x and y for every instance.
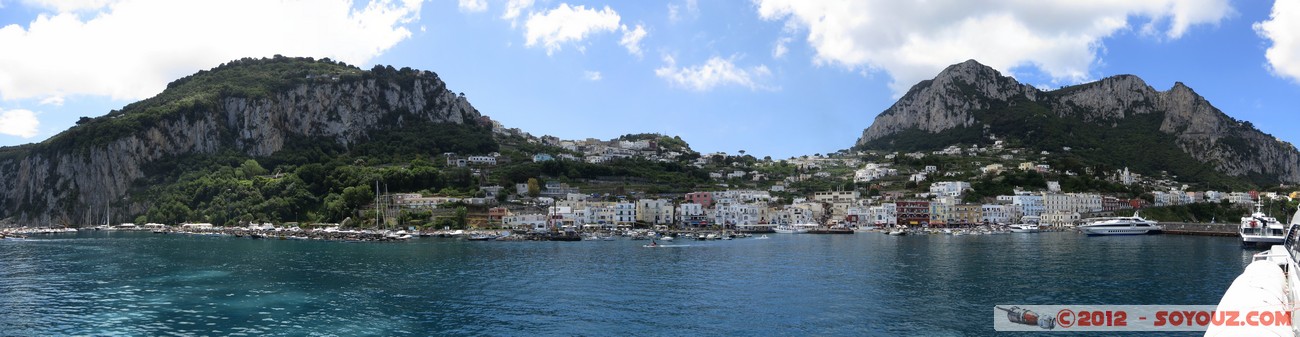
(971, 63)
(970, 70)
(1177, 130)
(944, 102)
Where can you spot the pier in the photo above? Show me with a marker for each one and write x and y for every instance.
(1184, 228)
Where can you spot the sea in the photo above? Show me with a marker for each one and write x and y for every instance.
(866, 284)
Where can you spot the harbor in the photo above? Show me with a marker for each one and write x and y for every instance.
(144, 283)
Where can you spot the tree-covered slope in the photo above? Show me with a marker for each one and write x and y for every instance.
(316, 128)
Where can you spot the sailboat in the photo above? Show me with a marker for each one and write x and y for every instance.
(107, 214)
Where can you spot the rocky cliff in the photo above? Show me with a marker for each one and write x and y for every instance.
(967, 99)
(70, 180)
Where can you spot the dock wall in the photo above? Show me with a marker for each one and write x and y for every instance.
(1183, 228)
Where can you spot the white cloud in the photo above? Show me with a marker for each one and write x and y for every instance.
(780, 49)
(1283, 29)
(18, 122)
(912, 41)
(52, 100)
(592, 75)
(472, 6)
(567, 24)
(132, 48)
(713, 73)
(515, 8)
(632, 39)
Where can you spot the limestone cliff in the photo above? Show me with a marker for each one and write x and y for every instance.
(962, 103)
(83, 175)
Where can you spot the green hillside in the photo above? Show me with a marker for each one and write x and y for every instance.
(1136, 142)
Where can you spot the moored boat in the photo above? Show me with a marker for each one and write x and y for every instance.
(1129, 225)
(831, 230)
(1261, 229)
(482, 237)
(1024, 228)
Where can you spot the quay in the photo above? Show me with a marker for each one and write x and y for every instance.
(1207, 229)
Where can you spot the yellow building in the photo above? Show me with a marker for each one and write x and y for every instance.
(968, 213)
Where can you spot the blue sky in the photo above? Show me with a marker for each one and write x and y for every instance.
(776, 78)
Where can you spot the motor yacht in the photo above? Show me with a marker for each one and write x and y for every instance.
(1129, 225)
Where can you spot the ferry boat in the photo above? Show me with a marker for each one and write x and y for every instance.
(1261, 229)
(1024, 228)
(1269, 283)
(1129, 225)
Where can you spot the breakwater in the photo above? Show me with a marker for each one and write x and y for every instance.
(1185, 228)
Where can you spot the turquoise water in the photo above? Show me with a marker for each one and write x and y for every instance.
(864, 284)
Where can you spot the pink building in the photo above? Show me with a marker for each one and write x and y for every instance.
(703, 198)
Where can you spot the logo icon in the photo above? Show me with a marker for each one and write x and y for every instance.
(1019, 315)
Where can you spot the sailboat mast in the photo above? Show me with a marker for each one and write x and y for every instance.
(388, 204)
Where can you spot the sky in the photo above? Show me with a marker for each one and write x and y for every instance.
(777, 78)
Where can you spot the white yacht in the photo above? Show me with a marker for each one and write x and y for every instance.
(1261, 229)
(1128, 225)
(1024, 228)
(794, 228)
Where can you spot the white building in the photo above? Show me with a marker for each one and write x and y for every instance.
(873, 171)
(1026, 205)
(949, 188)
(691, 214)
(624, 214)
(994, 213)
(1072, 202)
(797, 214)
(885, 214)
(1240, 198)
(481, 160)
(526, 222)
(731, 215)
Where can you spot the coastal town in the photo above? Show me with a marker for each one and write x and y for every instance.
(875, 193)
(846, 190)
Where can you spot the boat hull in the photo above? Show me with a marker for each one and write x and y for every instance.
(1119, 231)
(831, 231)
(1257, 240)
